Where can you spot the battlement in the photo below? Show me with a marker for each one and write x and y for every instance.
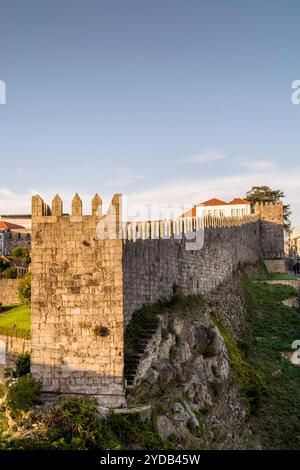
(164, 229)
(44, 213)
(91, 272)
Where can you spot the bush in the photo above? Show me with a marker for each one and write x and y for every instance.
(4, 264)
(23, 365)
(25, 289)
(75, 422)
(21, 253)
(9, 273)
(24, 395)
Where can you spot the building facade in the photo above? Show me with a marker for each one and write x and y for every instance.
(13, 236)
(217, 208)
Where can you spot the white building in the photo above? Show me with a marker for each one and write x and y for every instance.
(217, 208)
(24, 220)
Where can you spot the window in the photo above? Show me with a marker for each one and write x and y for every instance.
(232, 212)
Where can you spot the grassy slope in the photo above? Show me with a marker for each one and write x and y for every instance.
(15, 318)
(272, 327)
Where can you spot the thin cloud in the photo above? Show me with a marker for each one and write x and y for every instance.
(205, 156)
(124, 177)
(259, 165)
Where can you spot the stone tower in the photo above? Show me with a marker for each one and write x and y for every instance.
(271, 229)
(77, 300)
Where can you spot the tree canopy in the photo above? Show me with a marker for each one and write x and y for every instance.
(266, 194)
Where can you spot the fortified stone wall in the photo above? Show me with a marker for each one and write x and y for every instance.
(152, 267)
(9, 291)
(272, 234)
(77, 302)
(90, 273)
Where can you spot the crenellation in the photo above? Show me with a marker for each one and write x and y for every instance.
(91, 272)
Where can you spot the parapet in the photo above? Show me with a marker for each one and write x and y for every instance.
(270, 212)
(43, 213)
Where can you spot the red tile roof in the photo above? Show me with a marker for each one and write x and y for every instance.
(9, 226)
(238, 200)
(190, 213)
(214, 202)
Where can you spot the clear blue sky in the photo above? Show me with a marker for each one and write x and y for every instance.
(167, 101)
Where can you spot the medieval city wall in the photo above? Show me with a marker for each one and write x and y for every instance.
(272, 233)
(77, 303)
(152, 267)
(91, 272)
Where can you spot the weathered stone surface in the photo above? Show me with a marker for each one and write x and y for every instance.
(77, 307)
(9, 291)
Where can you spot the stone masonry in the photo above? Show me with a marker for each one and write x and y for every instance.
(9, 291)
(88, 279)
(272, 234)
(77, 303)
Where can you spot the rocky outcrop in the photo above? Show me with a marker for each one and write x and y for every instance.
(185, 373)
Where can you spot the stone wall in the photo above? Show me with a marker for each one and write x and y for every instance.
(9, 291)
(152, 267)
(86, 283)
(77, 302)
(10, 348)
(272, 234)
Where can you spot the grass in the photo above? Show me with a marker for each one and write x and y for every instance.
(15, 320)
(272, 327)
(275, 277)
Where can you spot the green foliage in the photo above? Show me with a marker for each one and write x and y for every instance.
(23, 364)
(4, 264)
(75, 422)
(23, 395)
(134, 433)
(266, 194)
(2, 390)
(272, 328)
(21, 253)
(274, 277)
(25, 289)
(146, 318)
(251, 380)
(9, 273)
(15, 321)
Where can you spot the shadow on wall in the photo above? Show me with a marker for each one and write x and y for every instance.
(272, 240)
(108, 390)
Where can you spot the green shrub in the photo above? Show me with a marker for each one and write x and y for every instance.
(23, 395)
(25, 289)
(9, 273)
(4, 264)
(21, 253)
(75, 421)
(23, 364)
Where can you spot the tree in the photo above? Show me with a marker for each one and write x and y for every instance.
(21, 253)
(266, 194)
(25, 289)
